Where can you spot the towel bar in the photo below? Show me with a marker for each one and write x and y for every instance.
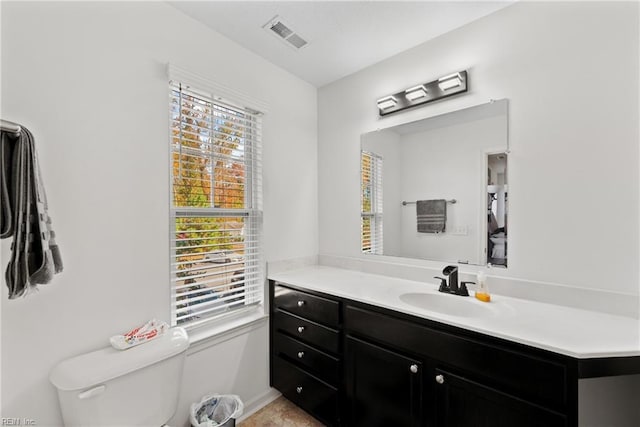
(10, 127)
(404, 203)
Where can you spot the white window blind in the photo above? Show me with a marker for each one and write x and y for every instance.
(216, 210)
(371, 203)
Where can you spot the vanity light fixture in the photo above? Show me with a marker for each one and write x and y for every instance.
(415, 92)
(450, 81)
(387, 102)
(449, 85)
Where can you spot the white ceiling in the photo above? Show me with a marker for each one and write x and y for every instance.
(344, 37)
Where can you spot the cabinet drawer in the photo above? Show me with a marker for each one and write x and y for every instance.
(320, 364)
(504, 367)
(311, 394)
(307, 331)
(321, 310)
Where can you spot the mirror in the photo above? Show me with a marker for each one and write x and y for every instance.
(436, 188)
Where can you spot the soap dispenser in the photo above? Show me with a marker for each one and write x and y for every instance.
(482, 292)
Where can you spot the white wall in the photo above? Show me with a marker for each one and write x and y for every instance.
(89, 80)
(573, 134)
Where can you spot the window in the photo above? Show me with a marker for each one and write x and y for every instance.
(215, 207)
(371, 203)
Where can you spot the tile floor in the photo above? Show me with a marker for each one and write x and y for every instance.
(280, 413)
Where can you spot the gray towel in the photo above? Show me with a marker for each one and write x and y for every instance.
(35, 256)
(7, 142)
(431, 215)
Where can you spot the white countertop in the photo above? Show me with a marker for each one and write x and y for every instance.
(573, 332)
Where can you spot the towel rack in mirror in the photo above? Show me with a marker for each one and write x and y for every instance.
(10, 127)
(405, 203)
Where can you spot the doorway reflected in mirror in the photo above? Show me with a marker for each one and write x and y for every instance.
(497, 191)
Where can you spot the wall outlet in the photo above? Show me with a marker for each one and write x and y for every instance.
(460, 230)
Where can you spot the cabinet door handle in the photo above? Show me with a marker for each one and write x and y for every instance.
(440, 379)
(413, 368)
(300, 354)
(300, 303)
(300, 329)
(299, 390)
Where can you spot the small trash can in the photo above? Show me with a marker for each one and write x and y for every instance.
(216, 410)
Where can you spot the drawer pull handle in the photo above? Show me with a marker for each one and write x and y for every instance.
(300, 303)
(413, 369)
(300, 354)
(300, 329)
(440, 379)
(299, 390)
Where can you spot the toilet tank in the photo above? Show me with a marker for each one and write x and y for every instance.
(134, 387)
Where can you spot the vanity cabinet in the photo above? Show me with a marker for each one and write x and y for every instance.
(364, 365)
(467, 380)
(306, 348)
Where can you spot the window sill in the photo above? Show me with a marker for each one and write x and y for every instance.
(207, 336)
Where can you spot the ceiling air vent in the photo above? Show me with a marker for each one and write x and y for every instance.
(296, 41)
(284, 32)
(280, 29)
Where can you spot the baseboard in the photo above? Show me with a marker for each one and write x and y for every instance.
(257, 403)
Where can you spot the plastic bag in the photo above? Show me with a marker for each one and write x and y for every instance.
(215, 410)
(142, 334)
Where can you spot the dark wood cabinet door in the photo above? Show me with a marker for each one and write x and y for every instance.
(461, 402)
(383, 388)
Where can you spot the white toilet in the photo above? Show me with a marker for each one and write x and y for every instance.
(134, 387)
(499, 246)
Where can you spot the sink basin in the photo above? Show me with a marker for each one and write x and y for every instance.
(451, 305)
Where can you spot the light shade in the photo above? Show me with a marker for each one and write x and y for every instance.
(387, 102)
(450, 81)
(415, 92)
